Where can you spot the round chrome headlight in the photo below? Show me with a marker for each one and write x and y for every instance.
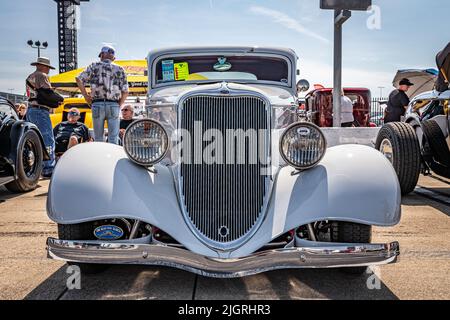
(146, 142)
(303, 145)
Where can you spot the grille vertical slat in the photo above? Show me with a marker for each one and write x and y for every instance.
(219, 195)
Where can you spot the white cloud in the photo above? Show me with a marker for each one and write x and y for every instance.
(286, 21)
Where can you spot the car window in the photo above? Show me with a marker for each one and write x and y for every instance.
(7, 110)
(358, 101)
(204, 68)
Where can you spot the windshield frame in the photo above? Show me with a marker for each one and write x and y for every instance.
(154, 63)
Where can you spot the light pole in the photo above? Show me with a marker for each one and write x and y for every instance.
(341, 14)
(37, 45)
(381, 91)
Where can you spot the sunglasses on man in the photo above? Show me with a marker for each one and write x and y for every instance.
(125, 110)
(75, 114)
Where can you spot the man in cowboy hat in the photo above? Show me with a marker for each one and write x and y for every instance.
(398, 102)
(109, 89)
(40, 114)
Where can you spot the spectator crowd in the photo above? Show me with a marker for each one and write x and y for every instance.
(108, 92)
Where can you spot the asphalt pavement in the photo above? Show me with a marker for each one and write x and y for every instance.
(421, 273)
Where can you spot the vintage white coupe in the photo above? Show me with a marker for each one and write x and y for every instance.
(221, 179)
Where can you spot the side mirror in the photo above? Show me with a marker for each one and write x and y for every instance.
(302, 85)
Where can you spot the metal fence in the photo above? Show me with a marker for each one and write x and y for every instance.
(377, 107)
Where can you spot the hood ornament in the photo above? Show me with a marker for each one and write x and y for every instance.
(222, 65)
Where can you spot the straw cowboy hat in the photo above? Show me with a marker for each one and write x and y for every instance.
(43, 61)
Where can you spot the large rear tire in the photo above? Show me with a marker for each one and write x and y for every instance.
(349, 232)
(80, 231)
(28, 164)
(399, 143)
(436, 141)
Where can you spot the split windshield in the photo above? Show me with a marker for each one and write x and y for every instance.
(220, 68)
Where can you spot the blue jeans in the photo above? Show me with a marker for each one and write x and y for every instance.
(41, 118)
(108, 111)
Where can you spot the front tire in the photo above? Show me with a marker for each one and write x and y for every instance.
(80, 231)
(28, 164)
(399, 144)
(349, 232)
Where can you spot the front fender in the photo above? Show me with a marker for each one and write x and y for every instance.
(95, 181)
(353, 183)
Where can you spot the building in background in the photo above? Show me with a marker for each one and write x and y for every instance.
(14, 98)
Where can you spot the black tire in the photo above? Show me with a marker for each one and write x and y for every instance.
(348, 232)
(406, 153)
(80, 231)
(28, 174)
(436, 141)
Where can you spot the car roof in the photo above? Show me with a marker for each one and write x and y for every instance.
(433, 95)
(245, 49)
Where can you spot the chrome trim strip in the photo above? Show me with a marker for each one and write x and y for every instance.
(334, 255)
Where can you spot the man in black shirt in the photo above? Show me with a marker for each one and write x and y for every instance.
(398, 102)
(127, 119)
(70, 133)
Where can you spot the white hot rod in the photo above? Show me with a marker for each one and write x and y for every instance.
(221, 178)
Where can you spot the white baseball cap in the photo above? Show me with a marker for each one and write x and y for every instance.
(107, 49)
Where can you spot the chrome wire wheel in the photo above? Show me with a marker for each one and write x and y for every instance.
(387, 150)
(30, 154)
(29, 158)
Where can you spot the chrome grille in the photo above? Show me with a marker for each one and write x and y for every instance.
(224, 201)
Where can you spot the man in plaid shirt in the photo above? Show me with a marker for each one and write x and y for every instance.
(109, 90)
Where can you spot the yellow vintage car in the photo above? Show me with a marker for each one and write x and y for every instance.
(60, 114)
(65, 84)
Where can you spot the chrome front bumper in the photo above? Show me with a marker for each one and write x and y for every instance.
(334, 255)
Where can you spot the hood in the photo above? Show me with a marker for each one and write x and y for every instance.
(423, 80)
(443, 62)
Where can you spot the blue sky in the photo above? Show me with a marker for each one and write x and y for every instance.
(411, 33)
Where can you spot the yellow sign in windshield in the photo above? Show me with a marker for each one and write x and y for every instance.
(181, 71)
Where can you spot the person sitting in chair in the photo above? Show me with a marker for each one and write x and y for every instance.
(127, 119)
(70, 133)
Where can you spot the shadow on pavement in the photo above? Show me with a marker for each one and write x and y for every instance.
(334, 284)
(117, 283)
(415, 199)
(5, 194)
(41, 195)
(51, 288)
(295, 284)
(142, 283)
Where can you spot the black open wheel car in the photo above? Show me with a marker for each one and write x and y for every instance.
(22, 151)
